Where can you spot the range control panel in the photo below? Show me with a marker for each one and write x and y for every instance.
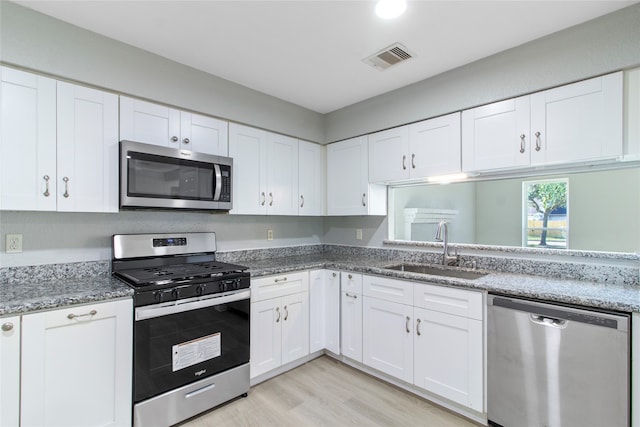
(170, 241)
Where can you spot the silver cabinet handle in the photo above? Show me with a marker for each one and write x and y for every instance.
(264, 199)
(281, 280)
(6, 327)
(270, 199)
(186, 140)
(364, 199)
(418, 327)
(46, 188)
(278, 311)
(538, 142)
(174, 138)
(302, 201)
(413, 161)
(407, 325)
(522, 143)
(66, 186)
(354, 296)
(404, 167)
(91, 313)
(286, 313)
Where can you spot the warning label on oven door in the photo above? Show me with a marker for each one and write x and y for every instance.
(195, 351)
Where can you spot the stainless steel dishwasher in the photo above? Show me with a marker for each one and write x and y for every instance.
(556, 366)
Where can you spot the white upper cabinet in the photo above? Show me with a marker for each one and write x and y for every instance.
(28, 141)
(496, 136)
(265, 172)
(577, 122)
(59, 146)
(311, 173)
(160, 125)
(87, 149)
(427, 148)
(348, 188)
(574, 123)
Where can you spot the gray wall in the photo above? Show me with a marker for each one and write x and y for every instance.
(38, 42)
(596, 47)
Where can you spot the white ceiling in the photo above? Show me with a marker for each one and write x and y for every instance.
(310, 52)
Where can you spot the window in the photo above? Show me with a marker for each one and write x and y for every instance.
(546, 213)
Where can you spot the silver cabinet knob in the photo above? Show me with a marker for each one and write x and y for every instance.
(186, 140)
(46, 189)
(174, 138)
(66, 186)
(333, 274)
(6, 327)
(350, 276)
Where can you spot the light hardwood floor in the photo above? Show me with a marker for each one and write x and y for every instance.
(325, 392)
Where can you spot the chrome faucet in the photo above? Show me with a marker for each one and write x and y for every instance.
(441, 236)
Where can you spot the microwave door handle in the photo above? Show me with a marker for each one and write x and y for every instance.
(216, 195)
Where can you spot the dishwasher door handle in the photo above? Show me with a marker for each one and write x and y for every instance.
(548, 321)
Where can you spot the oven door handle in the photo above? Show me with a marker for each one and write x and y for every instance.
(180, 306)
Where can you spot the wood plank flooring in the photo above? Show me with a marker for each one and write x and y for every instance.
(325, 392)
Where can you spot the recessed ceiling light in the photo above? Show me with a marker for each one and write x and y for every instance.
(388, 9)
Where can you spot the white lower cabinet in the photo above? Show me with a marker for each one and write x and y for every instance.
(76, 366)
(324, 311)
(10, 371)
(279, 321)
(351, 315)
(426, 335)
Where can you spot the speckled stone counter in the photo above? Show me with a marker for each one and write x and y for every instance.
(28, 289)
(611, 291)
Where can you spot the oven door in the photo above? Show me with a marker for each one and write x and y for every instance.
(181, 342)
(162, 177)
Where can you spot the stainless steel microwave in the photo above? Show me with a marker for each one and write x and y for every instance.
(156, 177)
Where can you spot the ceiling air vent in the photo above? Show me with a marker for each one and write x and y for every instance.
(391, 55)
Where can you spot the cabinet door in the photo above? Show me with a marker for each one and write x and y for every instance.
(449, 349)
(580, 121)
(351, 325)
(27, 141)
(496, 136)
(87, 149)
(282, 175)
(248, 148)
(434, 147)
(266, 336)
(149, 123)
(295, 327)
(10, 371)
(76, 366)
(332, 311)
(203, 134)
(347, 177)
(387, 337)
(311, 172)
(317, 310)
(389, 155)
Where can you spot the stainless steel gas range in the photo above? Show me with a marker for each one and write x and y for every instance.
(191, 330)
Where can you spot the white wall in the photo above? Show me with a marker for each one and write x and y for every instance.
(606, 44)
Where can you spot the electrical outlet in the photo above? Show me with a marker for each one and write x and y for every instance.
(358, 233)
(14, 243)
(269, 234)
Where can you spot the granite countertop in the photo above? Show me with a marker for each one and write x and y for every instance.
(595, 294)
(33, 295)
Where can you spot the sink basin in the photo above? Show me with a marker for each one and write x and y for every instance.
(437, 271)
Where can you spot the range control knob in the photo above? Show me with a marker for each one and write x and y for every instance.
(200, 289)
(157, 296)
(175, 293)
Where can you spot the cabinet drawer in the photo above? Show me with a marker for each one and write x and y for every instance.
(459, 302)
(351, 282)
(388, 289)
(280, 285)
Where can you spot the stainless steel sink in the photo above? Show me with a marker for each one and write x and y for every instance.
(437, 271)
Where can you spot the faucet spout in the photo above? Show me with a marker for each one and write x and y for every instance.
(442, 233)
